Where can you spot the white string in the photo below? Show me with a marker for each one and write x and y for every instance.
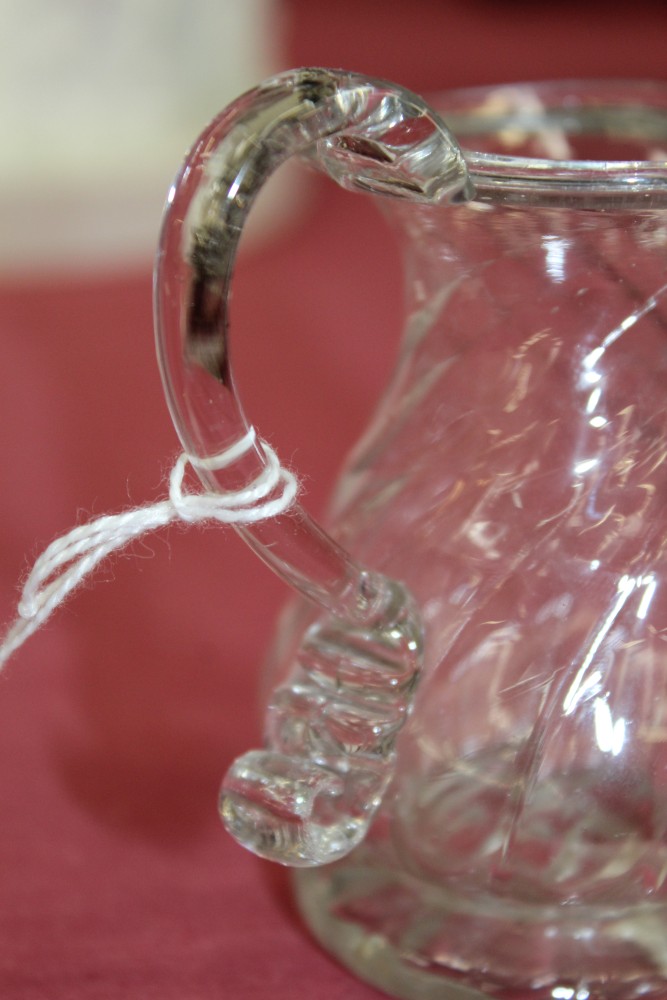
(68, 560)
(229, 455)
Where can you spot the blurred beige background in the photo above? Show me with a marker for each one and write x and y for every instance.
(98, 104)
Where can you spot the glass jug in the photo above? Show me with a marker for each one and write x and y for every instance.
(466, 739)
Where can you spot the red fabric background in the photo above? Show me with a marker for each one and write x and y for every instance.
(118, 720)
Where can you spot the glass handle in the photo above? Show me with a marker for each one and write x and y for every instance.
(310, 795)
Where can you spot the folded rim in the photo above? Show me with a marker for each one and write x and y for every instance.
(551, 115)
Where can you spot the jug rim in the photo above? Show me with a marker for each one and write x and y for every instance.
(552, 114)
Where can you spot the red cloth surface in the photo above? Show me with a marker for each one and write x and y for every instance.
(119, 718)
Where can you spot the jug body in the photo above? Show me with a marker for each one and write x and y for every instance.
(466, 739)
(515, 479)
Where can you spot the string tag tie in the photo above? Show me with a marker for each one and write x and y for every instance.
(71, 558)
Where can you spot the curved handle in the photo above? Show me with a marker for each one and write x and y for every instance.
(310, 796)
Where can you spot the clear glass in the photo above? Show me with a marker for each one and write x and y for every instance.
(514, 479)
(523, 843)
(309, 796)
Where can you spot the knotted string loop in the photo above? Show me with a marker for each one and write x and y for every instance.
(70, 559)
